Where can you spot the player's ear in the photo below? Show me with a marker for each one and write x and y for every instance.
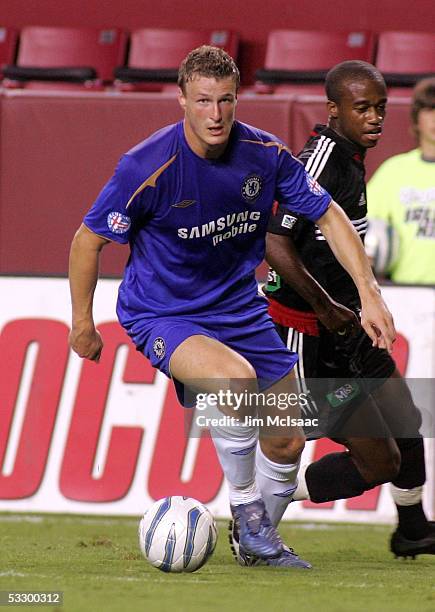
(181, 98)
(332, 109)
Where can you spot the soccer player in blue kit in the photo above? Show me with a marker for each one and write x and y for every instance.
(193, 201)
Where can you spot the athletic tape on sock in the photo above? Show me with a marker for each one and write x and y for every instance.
(406, 497)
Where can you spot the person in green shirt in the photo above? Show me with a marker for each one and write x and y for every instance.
(402, 194)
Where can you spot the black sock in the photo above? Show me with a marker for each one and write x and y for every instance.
(334, 476)
(413, 523)
(412, 469)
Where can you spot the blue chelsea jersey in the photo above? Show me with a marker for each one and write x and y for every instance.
(196, 227)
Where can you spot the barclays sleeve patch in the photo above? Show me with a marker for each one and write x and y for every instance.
(118, 223)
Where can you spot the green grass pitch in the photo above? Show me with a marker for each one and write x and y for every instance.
(96, 562)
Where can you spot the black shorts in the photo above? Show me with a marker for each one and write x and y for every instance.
(335, 375)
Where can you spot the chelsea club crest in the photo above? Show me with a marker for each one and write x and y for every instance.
(251, 187)
(159, 347)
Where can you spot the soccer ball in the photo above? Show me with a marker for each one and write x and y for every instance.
(382, 246)
(177, 534)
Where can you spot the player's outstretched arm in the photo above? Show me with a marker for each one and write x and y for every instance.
(348, 249)
(282, 256)
(84, 339)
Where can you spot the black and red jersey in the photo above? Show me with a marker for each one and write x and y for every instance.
(338, 165)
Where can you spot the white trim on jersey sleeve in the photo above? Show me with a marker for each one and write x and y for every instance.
(317, 160)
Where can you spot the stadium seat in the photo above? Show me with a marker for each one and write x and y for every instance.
(155, 55)
(405, 57)
(298, 60)
(8, 46)
(51, 56)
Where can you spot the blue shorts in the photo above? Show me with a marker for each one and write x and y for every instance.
(250, 332)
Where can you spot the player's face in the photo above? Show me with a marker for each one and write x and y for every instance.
(426, 127)
(209, 106)
(360, 113)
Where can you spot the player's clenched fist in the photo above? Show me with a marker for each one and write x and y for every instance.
(86, 342)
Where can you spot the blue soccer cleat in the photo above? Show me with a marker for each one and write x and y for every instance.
(287, 559)
(239, 554)
(257, 535)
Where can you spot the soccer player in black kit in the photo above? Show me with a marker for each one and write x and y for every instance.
(378, 422)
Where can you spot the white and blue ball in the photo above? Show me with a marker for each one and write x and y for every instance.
(177, 534)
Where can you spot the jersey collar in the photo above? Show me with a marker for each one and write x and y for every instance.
(354, 151)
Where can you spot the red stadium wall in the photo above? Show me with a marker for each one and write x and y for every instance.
(58, 149)
(248, 17)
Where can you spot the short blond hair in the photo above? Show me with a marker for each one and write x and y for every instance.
(208, 61)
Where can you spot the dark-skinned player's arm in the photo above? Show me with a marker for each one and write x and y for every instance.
(282, 256)
(84, 338)
(347, 247)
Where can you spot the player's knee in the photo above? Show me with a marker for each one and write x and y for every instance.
(241, 374)
(239, 396)
(383, 467)
(242, 388)
(284, 450)
(388, 469)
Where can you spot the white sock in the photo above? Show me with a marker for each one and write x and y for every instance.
(235, 447)
(277, 483)
(406, 497)
(301, 492)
